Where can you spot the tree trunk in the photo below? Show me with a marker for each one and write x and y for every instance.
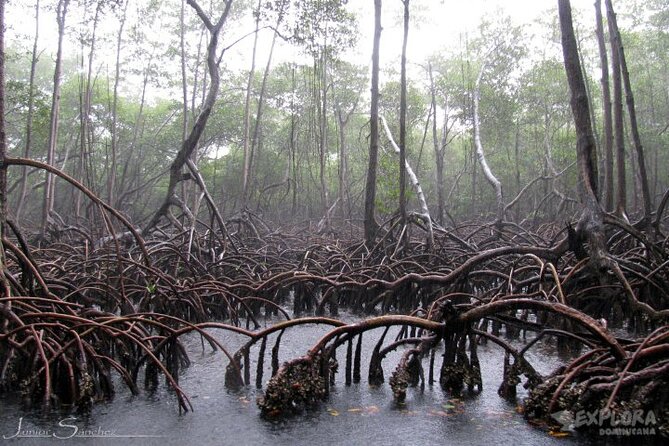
(591, 221)
(29, 118)
(4, 291)
(246, 168)
(438, 149)
(631, 111)
(190, 143)
(425, 211)
(606, 104)
(618, 125)
(85, 133)
(3, 146)
(293, 124)
(255, 141)
(111, 179)
(403, 113)
(343, 162)
(184, 80)
(52, 140)
(322, 130)
(371, 226)
(480, 154)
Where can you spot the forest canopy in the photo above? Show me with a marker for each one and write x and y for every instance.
(288, 133)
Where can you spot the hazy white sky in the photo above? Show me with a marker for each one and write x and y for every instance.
(443, 21)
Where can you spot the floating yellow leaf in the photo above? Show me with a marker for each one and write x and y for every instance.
(333, 412)
(354, 409)
(558, 434)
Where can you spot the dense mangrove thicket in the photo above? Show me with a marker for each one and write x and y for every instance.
(259, 201)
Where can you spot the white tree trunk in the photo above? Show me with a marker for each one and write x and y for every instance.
(480, 154)
(425, 212)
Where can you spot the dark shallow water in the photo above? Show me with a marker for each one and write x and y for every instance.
(355, 415)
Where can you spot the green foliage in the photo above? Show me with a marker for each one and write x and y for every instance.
(525, 113)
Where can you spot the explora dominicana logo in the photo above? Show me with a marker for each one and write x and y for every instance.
(620, 423)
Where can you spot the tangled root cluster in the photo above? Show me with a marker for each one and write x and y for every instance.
(596, 383)
(297, 387)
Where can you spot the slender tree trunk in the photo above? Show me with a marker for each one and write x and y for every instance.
(438, 151)
(190, 143)
(631, 111)
(255, 140)
(321, 70)
(111, 179)
(403, 115)
(516, 155)
(420, 195)
(480, 154)
(343, 162)
(85, 116)
(130, 182)
(184, 79)
(3, 150)
(52, 140)
(618, 125)
(5, 291)
(29, 118)
(371, 226)
(293, 125)
(246, 169)
(608, 193)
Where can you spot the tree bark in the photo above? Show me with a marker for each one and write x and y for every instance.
(246, 169)
(480, 154)
(111, 179)
(84, 163)
(3, 153)
(321, 69)
(425, 211)
(618, 125)
(438, 149)
(591, 222)
(371, 226)
(52, 140)
(403, 115)
(29, 118)
(190, 143)
(631, 111)
(255, 141)
(608, 193)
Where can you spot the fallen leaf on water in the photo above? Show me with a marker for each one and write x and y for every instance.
(448, 406)
(354, 409)
(333, 412)
(558, 434)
